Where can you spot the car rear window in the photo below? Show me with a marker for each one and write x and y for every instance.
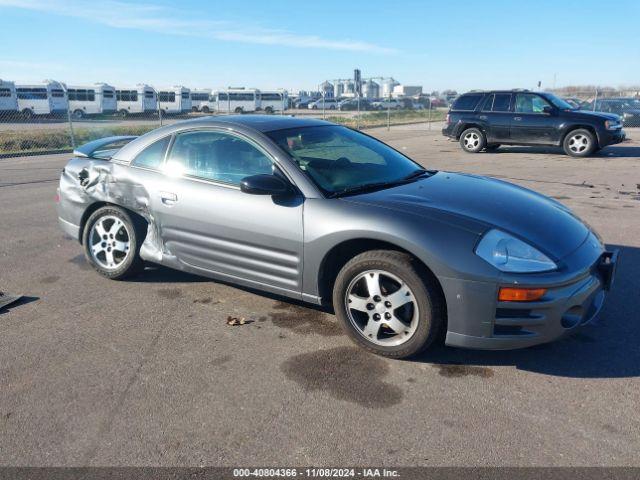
(467, 102)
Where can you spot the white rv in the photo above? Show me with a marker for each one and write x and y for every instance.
(8, 97)
(273, 100)
(175, 100)
(238, 100)
(91, 100)
(138, 99)
(46, 98)
(201, 101)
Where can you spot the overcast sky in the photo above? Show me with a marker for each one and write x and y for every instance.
(298, 44)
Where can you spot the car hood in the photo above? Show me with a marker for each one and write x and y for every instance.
(590, 114)
(544, 223)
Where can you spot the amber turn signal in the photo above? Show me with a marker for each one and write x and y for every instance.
(513, 294)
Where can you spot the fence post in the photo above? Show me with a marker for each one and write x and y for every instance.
(595, 100)
(389, 113)
(158, 104)
(323, 98)
(71, 134)
(358, 112)
(429, 113)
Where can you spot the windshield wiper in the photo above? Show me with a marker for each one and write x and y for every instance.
(379, 185)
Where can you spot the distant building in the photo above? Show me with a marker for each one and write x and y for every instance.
(400, 91)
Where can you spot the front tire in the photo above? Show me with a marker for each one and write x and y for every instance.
(112, 240)
(579, 143)
(388, 303)
(472, 140)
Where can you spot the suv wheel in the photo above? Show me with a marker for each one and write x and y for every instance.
(579, 143)
(472, 140)
(388, 304)
(112, 241)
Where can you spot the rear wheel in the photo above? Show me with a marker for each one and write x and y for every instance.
(388, 304)
(27, 113)
(205, 109)
(112, 240)
(78, 114)
(268, 110)
(238, 110)
(472, 140)
(123, 113)
(579, 143)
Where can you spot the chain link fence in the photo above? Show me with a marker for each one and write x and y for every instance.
(55, 116)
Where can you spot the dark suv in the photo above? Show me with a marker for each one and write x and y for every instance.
(486, 120)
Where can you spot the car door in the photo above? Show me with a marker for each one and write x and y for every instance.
(210, 225)
(531, 124)
(495, 114)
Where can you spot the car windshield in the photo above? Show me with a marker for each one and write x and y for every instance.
(342, 161)
(558, 102)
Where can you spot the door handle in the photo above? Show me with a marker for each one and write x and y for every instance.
(482, 117)
(517, 119)
(168, 198)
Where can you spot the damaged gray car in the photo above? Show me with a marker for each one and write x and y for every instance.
(324, 214)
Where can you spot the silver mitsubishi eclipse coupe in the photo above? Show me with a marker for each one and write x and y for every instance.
(321, 213)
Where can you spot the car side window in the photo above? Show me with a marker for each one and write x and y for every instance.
(152, 156)
(217, 156)
(487, 104)
(502, 102)
(530, 103)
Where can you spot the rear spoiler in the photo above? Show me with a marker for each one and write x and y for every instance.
(103, 148)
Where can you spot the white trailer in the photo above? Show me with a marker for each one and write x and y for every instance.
(46, 98)
(202, 100)
(238, 100)
(8, 97)
(139, 99)
(96, 99)
(273, 100)
(176, 99)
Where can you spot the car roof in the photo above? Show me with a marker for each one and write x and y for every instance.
(261, 123)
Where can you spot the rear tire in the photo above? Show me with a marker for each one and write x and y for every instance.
(238, 110)
(579, 143)
(205, 109)
(268, 110)
(400, 319)
(27, 114)
(472, 140)
(123, 113)
(78, 114)
(112, 240)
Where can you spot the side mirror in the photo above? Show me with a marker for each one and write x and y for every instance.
(548, 109)
(264, 185)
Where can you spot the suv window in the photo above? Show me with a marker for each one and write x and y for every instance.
(502, 102)
(218, 156)
(487, 104)
(530, 103)
(467, 102)
(153, 155)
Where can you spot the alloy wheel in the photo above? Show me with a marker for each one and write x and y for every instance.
(382, 308)
(578, 143)
(109, 242)
(471, 140)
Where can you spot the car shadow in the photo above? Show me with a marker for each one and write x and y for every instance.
(607, 348)
(614, 151)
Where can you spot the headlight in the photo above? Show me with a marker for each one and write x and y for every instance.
(509, 254)
(612, 124)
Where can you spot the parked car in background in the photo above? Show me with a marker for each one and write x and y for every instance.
(325, 214)
(627, 108)
(273, 100)
(329, 104)
(352, 104)
(388, 104)
(201, 100)
(576, 103)
(486, 120)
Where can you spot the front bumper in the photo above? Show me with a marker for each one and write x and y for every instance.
(611, 137)
(495, 325)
